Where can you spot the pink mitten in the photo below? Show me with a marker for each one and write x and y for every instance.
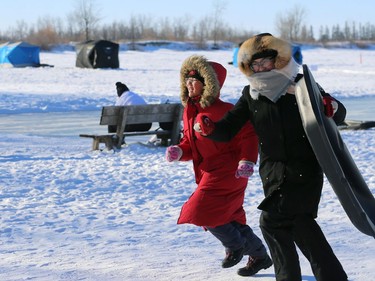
(245, 169)
(173, 153)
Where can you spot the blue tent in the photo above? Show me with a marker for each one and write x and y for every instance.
(19, 54)
(235, 54)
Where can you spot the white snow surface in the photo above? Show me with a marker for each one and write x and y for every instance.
(69, 213)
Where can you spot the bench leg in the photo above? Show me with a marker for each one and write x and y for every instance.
(107, 140)
(109, 143)
(95, 144)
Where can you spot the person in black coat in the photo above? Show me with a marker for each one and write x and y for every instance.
(291, 175)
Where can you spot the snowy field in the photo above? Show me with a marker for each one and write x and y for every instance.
(68, 213)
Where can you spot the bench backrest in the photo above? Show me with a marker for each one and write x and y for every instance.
(138, 114)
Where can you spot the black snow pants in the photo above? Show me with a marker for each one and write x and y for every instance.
(283, 232)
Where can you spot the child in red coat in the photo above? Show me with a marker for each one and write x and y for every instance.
(221, 169)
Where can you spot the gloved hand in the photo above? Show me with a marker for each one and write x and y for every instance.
(173, 153)
(245, 169)
(330, 106)
(204, 125)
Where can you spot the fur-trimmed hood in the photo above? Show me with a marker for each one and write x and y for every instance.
(213, 73)
(263, 45)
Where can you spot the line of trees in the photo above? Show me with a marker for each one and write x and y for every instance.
(291, 27)
(83, 24)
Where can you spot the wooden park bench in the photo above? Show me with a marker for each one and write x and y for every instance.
(121, 116)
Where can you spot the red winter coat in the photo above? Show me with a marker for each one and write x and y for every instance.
(219, 196)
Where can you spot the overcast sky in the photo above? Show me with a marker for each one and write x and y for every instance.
(246, 14)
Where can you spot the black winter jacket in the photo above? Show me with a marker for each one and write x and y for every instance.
(291, 176)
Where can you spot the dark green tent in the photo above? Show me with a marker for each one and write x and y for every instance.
(97, 54)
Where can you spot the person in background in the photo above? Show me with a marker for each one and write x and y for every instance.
(221, 169)
(127, 97)
(291, 175)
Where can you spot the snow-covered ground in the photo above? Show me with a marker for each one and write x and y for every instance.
(68, 213)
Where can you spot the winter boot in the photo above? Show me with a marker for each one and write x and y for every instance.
(232, 258)
(254, 265)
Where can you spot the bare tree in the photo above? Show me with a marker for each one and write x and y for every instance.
(46, 33)
(21, 30)
(304, 34)
(165, 29)
(289, 26)
(200, 32)
(219, 7)
(181, 28)
(86, 15)
(134, 31)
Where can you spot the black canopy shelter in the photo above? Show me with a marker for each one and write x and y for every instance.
(97, 54)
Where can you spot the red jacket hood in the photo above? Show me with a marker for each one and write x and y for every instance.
(213, 73)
